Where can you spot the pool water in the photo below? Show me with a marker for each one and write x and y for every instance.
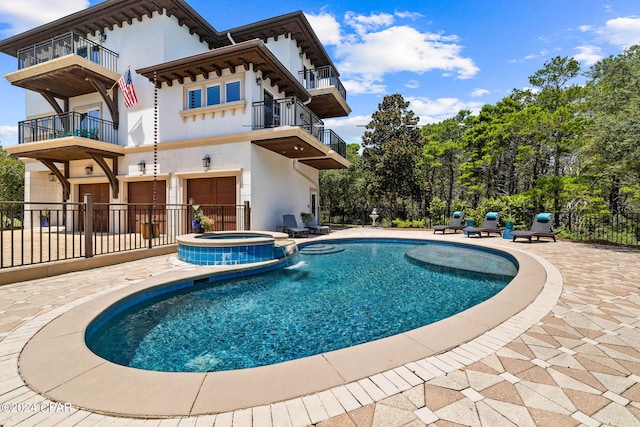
(319, 303)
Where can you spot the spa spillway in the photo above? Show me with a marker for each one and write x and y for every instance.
(234, 247)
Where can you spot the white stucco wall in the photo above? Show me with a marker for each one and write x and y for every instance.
(277, 188)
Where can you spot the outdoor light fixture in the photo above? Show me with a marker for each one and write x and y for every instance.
(102, 37)
(52, 177)
(89, 170)
(258, 81)
(206, 161)
(142, 167)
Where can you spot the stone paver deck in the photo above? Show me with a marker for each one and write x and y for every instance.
(567, 361)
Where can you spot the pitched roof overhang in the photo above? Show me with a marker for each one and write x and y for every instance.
(114, 13)
(295, 24)
(244, 54)
(110, 14)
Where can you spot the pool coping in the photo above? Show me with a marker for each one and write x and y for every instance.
(57, 364)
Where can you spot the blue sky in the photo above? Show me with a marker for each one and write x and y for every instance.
(441, 55)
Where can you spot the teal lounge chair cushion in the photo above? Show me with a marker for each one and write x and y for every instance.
(457, 214)
(492, 215)
(543, 217)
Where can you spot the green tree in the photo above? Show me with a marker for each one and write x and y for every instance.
(443, 155)
(342, 191)
(392, 150)
(612, 102)
(11, 177)
(558, 122)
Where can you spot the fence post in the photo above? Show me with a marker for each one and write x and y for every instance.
(88, 225)
(150, 225)
(247, 216)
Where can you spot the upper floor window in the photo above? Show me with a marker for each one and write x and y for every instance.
(194, 98)
(233, 91)
(213, 95)
(207, 94)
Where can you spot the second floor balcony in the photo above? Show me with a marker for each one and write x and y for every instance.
(67, 125)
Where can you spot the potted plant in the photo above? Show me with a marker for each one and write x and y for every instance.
(306, 217)
(207, 223)
(197, 218)
(148, 228)
(44, 218)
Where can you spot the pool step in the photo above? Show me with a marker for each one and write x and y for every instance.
(320, 249)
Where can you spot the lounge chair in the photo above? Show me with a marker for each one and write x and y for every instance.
(291, 226)
(456, 223)
(489, 225)
(316, 228)
(541, 227)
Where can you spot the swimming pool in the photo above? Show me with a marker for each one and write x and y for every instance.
(365, 292)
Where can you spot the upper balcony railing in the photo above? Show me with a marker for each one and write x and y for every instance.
(322, 77)
(292, 112)
(66, 125)
(285, 112)
(67, 44)
(333, 141)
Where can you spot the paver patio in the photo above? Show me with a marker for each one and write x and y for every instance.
(578, 365)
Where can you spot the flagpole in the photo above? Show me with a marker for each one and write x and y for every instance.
(114, 85)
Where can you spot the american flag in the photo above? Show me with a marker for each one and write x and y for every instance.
(126, 87)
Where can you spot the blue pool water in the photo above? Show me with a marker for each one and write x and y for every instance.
(319, 303)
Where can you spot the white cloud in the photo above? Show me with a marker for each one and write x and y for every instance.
(584, 28)
(479, 92)
(407, 14)
(436, 110)
(622, 32)
(403, 48)
(26, 14)
(412, 84)
(363, 24)
(542, 53)
(8, 135)
(326, 27)
(588, 55)
(368, 47)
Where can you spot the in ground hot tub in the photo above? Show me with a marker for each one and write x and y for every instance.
(233, 247)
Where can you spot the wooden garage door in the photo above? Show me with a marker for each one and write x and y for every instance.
(140, 196)
(101, 211)
(220, 192)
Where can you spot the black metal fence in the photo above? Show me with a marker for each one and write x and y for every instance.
(616, 229)
(619, 229)
(34, 233)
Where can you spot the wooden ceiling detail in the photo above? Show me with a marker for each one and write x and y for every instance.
(245, 53)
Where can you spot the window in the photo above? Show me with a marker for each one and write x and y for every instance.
(233, 91)
(194, 98)
(213, 95)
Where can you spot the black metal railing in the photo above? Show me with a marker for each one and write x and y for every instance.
(47, 232)
(65, 125)
(322, 77)
(619, 229)
(67, 44)
(292, 112)
(284, 112)
(331, 139)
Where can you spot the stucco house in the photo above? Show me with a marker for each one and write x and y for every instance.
(219, 117)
